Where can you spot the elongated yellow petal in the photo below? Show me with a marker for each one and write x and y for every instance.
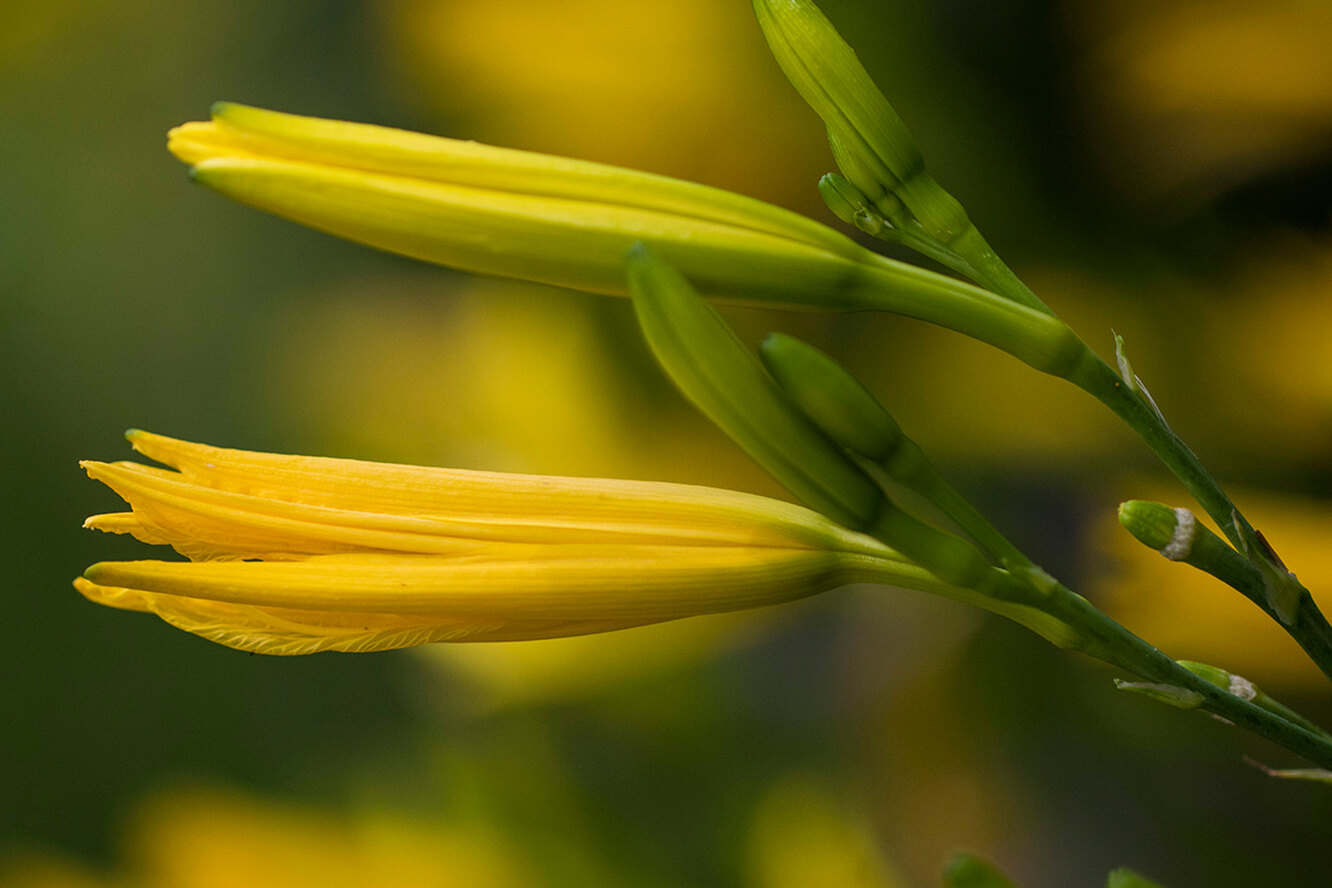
(558, 582)
(242, 131)
(364, 556)
(550, 240)
(366, 602)
(568, 223)
(289, 631)
(510, 507)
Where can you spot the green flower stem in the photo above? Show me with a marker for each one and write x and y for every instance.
(1279, 593)
(932, 249)
(1223, 678)
(909, 466)
(1309, 627)
(1106, 640)
(994, 272)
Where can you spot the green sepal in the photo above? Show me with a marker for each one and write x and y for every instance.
(850, 204)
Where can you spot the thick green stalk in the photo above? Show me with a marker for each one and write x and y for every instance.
(994, 272)
(1110, 642)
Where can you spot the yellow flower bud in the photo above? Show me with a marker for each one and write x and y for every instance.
(569, 223)
(293, 554)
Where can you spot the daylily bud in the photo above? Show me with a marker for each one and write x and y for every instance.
(722, 378)
(1170, 531)
(831, 397)
(844, 410)
(850, 205)
(870, 143)
(861, 122)
(1246, 690)
(565, 222)
(294, 554)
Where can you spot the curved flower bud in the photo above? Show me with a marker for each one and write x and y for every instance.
(861, 123)
(723, 379)
(568, 223)
(294, 554)
(870, 143)
(716, 372)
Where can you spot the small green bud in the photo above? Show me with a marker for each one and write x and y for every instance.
(1221, 678)
(850, 205)
(968, 871)
(1241, 687)
(848, 414)
(825, 71)
(831, 397)
(844, 199)
(1179, 537)
(723, 379)
(870, 185)
(1127, 878)
(863, 127)
(1170, 531)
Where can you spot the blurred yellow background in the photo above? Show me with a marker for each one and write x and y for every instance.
(1163, 169)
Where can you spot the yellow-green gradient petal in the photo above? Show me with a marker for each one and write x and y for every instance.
(243, 131)
(291, 631)
(558, 582)
(301, 554)
(498, 506)
(552, 240)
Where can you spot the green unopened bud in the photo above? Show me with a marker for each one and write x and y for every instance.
(723, 379)
(566, 222)
(827, 74)
(1170, 531)
(1241, 687)
(968, 871)
(1127, 878)
(845, 411)
(862, 124)
(849, 204)
(844, 199)
(868, 183)
(1178, 535)
(831, 397)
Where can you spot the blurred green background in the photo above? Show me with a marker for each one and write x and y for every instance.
(1163, 168)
